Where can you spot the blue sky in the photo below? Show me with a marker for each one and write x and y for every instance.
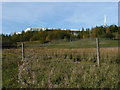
(17, 16)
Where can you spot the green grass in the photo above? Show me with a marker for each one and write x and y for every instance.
(10, 60)
(85, 43)
(109, 43)
(75, 44)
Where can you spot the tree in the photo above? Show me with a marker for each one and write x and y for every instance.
(7, 42)
(109, 35)
(48, 38)
(108, 30)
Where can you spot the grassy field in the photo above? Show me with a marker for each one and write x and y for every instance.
(61, 68)
(84, 43)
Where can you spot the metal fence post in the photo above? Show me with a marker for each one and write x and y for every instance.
(22, 51)
(98, 52)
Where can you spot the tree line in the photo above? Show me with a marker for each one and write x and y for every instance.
(57, 34)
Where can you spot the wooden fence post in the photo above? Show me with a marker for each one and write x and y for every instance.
(98, 52)
(22, 51)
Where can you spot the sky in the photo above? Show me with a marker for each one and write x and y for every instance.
(17, 16)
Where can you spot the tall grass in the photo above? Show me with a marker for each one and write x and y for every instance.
(61, 68)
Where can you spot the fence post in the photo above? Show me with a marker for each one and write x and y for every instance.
(98, 52)
(22, 51)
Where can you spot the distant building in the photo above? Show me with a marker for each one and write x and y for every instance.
(76, 33)
(18, 32)
(73, 31)
(34, 29)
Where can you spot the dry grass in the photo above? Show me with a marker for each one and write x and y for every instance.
(62, 68)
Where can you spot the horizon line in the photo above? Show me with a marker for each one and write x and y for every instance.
(63, 28)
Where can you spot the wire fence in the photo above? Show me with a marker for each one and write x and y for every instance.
(93, 54)
(89, 43)
(79, 52)
(71, 49)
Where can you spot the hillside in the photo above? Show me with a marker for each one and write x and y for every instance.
(83, 43)
(49, 35)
